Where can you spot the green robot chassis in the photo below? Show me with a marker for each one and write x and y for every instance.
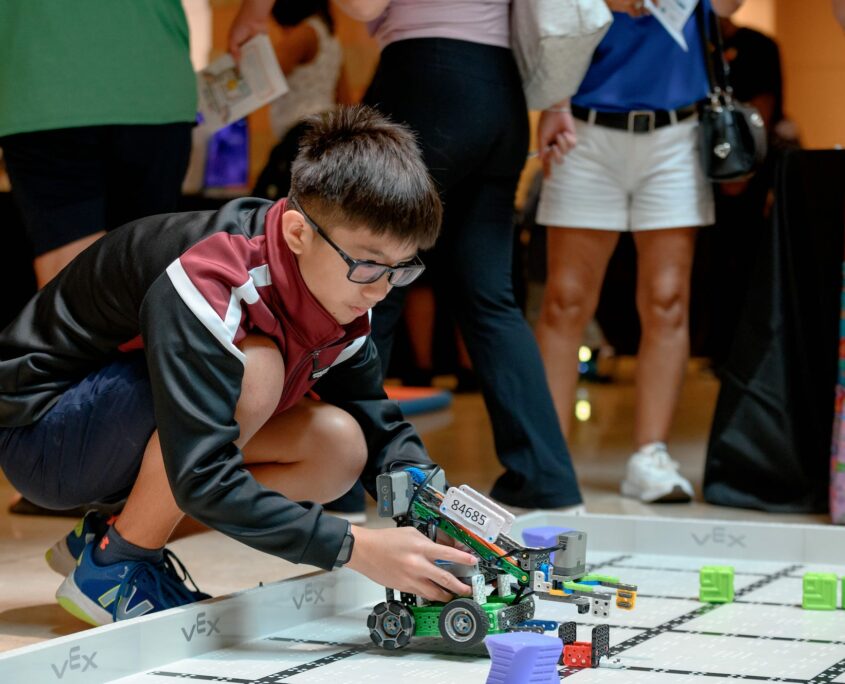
(506, 580)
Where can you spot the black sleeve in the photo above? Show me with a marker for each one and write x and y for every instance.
(196, 384)
(356, 386)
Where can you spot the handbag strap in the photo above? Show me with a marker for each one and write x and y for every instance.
(717, 54)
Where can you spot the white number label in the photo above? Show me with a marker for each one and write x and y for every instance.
(472, 514)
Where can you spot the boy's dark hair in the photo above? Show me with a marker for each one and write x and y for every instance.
(358, 168)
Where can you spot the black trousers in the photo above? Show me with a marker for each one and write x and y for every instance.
(465, 102)
(73, 182)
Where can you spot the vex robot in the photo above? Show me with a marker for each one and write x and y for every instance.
(505, 579)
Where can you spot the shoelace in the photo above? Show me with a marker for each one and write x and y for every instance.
(177, 570)
(170, 591)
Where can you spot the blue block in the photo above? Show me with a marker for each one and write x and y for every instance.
(543, 537)
(523, 658)
(547, 625)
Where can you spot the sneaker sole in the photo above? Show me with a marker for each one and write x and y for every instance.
(674, 495)
(60, 559)
(677, 495)
(71, 598)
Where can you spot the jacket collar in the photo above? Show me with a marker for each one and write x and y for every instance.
(293, 301)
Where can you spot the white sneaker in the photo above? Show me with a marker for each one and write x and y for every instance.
(652, 477)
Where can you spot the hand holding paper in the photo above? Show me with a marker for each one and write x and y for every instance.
(228, 91)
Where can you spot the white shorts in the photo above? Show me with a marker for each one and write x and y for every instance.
(616, 180)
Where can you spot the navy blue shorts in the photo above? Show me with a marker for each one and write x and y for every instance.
(88, 447)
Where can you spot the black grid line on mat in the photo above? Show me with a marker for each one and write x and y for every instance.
(830, 673)
(768, 579)
(730, 635)
(610, 562)
(687, 570)
(279, 677)
(722, 675)
(692, 599)
(348, 651)
(674, 623)
(201, 677)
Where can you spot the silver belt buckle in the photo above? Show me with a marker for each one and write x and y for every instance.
(632, 118)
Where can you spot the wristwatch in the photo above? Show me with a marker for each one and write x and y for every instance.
(345, 549)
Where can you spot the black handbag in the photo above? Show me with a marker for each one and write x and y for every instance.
(731, 134)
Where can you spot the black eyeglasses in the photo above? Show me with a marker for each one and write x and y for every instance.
(363, 271)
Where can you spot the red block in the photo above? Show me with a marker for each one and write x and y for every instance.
(577, 655)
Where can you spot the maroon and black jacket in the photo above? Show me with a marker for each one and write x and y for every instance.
(188, 287)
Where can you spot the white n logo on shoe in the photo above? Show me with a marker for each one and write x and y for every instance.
(123, 612)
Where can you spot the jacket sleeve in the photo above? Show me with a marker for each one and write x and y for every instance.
(196, 383)
(357, 387)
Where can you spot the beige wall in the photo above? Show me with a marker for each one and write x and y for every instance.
(812, 49)
(813, 54)
(758, 14)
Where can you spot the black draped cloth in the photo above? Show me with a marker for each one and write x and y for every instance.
(770, 441)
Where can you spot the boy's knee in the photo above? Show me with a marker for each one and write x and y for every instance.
(344, 438)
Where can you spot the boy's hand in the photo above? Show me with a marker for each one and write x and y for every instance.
(403, 559)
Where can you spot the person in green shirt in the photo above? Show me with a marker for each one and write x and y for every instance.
(97, 101)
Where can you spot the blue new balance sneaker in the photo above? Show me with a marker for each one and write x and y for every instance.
(63, 555)
(101, 594)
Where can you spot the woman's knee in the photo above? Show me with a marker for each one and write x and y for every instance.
(567, 304)
(664, 306)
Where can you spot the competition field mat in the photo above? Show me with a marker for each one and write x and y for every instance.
(313, 628)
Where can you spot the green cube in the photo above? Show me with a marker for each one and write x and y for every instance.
(716, 584)
(819, 591)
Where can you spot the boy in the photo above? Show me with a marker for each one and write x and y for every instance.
(239, 313)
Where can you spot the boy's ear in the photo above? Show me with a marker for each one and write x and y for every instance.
(297, 233)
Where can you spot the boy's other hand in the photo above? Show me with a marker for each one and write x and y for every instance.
(402, 558)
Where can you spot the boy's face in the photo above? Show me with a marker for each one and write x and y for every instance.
(325, 272)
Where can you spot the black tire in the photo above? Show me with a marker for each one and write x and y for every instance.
(391, 625)
(463, 623)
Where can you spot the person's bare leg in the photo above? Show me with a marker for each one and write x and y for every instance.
(48, 265)
(577, 261)
(311, 452)
(664, 267)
